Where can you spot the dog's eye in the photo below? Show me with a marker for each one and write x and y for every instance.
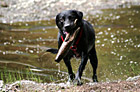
(71, 18)
(61, 20)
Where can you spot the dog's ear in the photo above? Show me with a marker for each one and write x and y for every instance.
(57, 19)
(80, 15)
(59, 25)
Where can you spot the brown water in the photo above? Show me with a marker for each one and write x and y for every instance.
(23, 45)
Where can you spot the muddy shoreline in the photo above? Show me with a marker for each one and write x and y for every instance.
(131, 85)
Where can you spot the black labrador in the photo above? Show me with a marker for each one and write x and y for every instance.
(83, 45)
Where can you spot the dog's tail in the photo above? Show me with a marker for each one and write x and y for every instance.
(52, 50)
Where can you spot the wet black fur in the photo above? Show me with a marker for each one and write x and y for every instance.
(85, 48)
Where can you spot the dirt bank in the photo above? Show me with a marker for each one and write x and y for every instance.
(130, 85)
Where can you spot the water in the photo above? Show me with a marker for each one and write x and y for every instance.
(23, 45)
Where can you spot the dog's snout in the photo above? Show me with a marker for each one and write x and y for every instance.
(67, 26)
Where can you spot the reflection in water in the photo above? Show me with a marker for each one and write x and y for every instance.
(117, 43)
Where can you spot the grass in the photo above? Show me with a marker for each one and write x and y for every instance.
(12, 76)
(133, 69)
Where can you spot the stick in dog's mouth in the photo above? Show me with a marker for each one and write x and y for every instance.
(69, 34)
(75, 21)
(65, 46)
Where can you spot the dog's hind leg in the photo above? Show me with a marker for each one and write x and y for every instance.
(94, 63)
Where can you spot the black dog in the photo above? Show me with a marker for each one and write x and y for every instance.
(83, 45)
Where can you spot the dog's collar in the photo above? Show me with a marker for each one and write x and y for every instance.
(74, 47)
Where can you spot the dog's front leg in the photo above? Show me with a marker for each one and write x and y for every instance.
(83, 63)
(68, 64)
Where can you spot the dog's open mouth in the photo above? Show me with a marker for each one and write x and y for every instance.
(67, 43)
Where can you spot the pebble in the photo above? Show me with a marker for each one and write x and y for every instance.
(3, 4)
(1, 84)
(133, 78)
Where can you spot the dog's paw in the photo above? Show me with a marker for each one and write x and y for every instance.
(95, 78)
(70, 81)
(77, 81)
(71, 78)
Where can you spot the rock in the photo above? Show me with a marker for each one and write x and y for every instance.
(1, 84)
(133, 78)
(4, 4)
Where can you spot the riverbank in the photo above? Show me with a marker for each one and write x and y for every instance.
(117, 43)
(130, 85)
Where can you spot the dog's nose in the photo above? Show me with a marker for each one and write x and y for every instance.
(67, 26)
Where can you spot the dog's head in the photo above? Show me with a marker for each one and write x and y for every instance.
(69, 20)
(69, 23)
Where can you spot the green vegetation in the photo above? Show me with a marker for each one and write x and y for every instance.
(12, 76)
